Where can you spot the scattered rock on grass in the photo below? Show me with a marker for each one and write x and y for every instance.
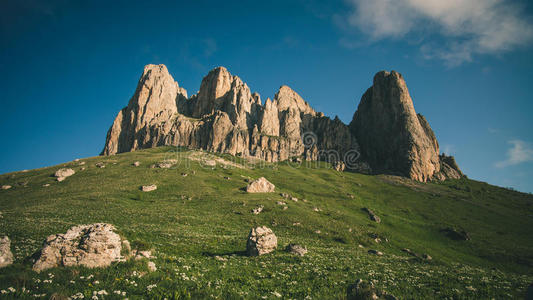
(95, 245)
(375, 252)
(297, 249)
(151, 266)
(6, 256)
(6, 187)
(136, 164)
(258, 210)
(260, 185)
(261, 240)
(100, 165)
(63, 173)
(149, 188)
(365, 290)
(372, 215)
(284, 195)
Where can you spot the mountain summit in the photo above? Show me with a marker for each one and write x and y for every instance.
(386, 135)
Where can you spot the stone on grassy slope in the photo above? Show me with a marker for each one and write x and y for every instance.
(297, 249)
(149, 188)
(365, 290)
(6, 187)
(261, 240)
(375, 252)
(260, 185)
(372, 215)
(6, 256)
(136, 164)
(258, 210)
(63, 173)
(95, 245)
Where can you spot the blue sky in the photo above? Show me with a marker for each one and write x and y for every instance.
(67, 67)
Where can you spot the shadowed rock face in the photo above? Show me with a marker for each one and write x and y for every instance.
(393, 137)
(226, 117)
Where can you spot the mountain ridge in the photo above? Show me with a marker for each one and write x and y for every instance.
(226, 117)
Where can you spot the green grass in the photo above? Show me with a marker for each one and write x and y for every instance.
(186, 234)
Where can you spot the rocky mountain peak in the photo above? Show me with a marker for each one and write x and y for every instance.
(226, 117)
(392, 136)
(287, 98)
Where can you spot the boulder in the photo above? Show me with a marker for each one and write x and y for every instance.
(136, 164)
(261, 240)
(297, 249)
(63, 173)
(149, 188)
(6, 187)
(94, 245)
(6, 256)
(260, 185)
(100, 165)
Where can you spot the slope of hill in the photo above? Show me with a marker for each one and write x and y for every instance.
(198, 225)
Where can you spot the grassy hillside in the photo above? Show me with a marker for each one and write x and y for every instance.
(190, 219)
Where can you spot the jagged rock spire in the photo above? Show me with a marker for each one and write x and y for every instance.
(392, 136)
(226, 117)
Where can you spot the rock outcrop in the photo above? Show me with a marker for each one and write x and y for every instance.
(95, 245)
(393, 137)
(226, 117)
(6, 256)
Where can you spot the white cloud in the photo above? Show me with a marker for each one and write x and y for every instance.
(465, 27)
(520, 152)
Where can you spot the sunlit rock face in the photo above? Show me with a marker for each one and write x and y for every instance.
(226, 117)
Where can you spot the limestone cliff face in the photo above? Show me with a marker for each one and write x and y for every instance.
(223, 117)
(393, 137)
(226, 117)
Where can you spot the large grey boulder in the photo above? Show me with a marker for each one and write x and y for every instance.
(95, 245)
(63, 173)
(260, 185)
(261, 240)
